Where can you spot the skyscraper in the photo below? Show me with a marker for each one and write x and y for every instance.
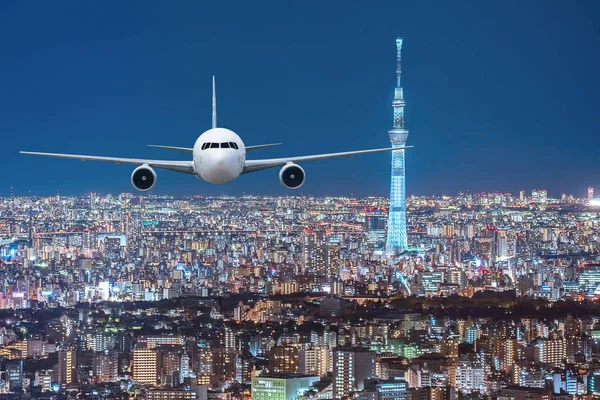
(315, 252)
(397, 241)
(351, 366)
(333, 256)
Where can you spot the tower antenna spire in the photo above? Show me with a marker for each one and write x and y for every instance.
(214, 105)
(398, 62)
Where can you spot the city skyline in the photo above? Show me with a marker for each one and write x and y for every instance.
(152, 297)
(487, 107)
(160, 298)
(579, 194)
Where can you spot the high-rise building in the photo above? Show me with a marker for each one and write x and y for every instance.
(594, 382)
(539, 196)
(572, 327)
(449, 346)
(351, 366)
(170, 363)
(590, 195)
(223, 365)
(314, 361)
(14, 375)
(333, 256)
(284, 360)
(145, 366)
(105, 366)
(243, 368)
(225, 339)
(469, 376)
(201, 361)
(551, 351)
(506, 351)
(224, 347)
(315, 252)
(67, 366)
(397, 240)
(528, 374)
(100, 341)
(431, 280)
(375, 219)
(375, 223)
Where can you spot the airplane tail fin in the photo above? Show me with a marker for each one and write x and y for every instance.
(214, 105)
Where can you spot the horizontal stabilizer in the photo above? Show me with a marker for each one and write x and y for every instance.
(261, 146)
(182, 149)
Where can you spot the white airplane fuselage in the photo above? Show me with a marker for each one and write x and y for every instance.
(222, 164)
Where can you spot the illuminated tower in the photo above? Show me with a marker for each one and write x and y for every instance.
(397, 241)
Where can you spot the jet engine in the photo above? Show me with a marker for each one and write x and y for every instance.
(143, 178)
(292, 176)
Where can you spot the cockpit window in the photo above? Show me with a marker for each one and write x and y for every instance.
(223, 145)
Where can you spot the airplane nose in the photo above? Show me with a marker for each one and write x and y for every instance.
(220, 169)
(219, 158)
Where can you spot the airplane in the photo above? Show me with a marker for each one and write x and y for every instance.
(218, 157)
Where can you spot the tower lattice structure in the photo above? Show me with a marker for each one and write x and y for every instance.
(397, 240)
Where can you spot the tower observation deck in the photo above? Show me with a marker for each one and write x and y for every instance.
(397, 240)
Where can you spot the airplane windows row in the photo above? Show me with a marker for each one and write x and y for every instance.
(224, 145)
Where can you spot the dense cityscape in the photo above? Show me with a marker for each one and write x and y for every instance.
(156, 297)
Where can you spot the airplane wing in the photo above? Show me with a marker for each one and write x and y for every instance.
(257, 165)
(190, 150)
(187, 167)
(182, 149)
(261, 146)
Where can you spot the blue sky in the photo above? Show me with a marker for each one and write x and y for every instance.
(501, 95)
